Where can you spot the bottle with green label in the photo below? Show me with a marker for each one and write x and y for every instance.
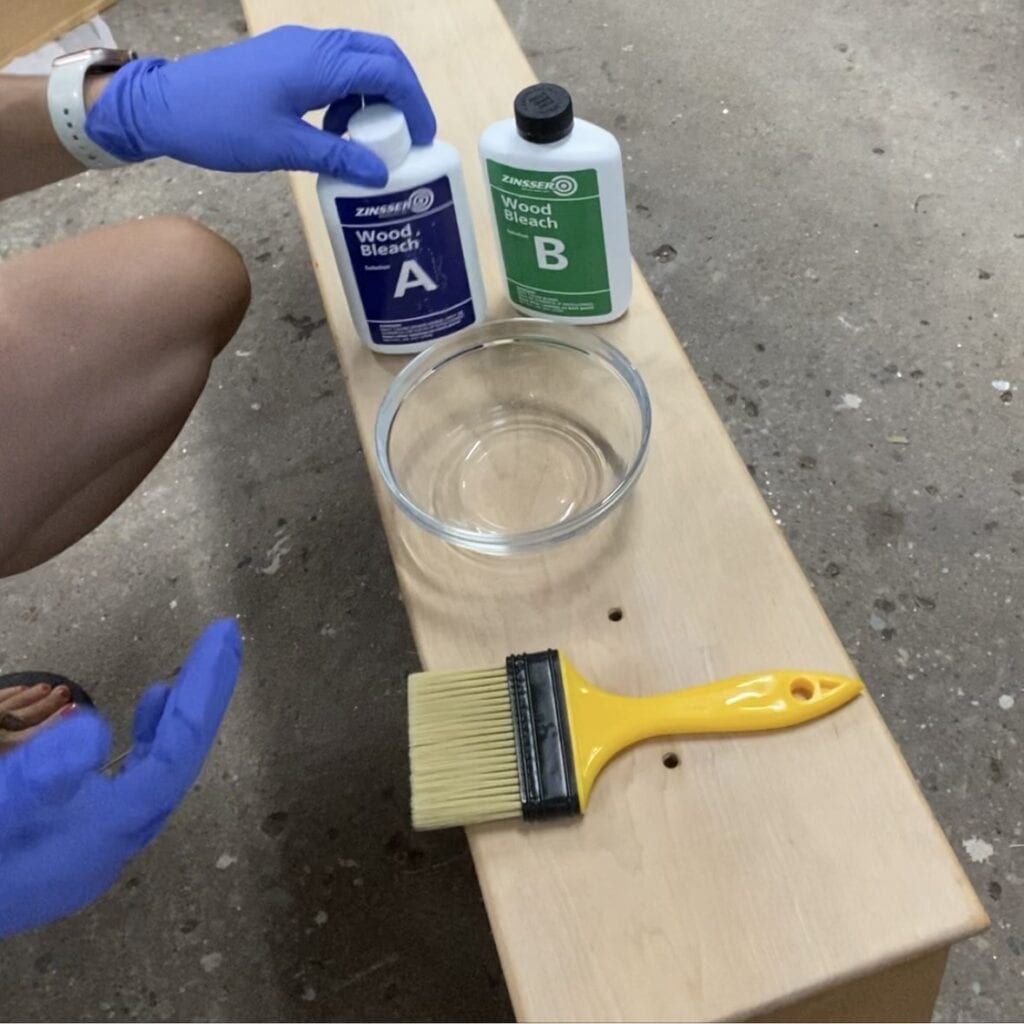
(559, 205)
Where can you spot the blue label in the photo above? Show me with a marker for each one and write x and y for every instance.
(408, 261)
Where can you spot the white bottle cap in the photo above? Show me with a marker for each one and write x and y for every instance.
(382, 128)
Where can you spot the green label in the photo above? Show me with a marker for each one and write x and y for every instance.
(552, 239)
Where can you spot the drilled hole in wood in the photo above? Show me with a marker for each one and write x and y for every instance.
(670, 760)
(615, 614)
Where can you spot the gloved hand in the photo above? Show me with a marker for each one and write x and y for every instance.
(240, 107)
(66, 829)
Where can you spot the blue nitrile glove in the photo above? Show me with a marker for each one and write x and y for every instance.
(240, 107)
(66, 829)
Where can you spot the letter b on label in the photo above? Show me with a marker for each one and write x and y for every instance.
(550, 253)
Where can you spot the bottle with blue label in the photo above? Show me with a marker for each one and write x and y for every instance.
(406, 252)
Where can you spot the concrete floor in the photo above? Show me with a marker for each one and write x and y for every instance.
(829, 208)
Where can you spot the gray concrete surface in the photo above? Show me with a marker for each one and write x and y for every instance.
(827, 201)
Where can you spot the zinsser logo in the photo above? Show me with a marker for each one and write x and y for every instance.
(418, 201)
(560, 184)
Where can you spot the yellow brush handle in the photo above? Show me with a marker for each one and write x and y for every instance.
(770, 700)
(603, 723)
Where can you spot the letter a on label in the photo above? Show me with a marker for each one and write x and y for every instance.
(412, 275)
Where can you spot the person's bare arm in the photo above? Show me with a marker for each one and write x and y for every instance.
(31, 155)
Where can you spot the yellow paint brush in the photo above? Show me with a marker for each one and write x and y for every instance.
(528, 739)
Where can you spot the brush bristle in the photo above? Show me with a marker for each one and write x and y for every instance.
(462, 748)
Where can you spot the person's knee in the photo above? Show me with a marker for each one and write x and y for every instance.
(202, 278)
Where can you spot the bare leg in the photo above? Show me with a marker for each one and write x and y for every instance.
(106, 341)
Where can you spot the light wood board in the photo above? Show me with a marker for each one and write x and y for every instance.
(763, 869)
(26, 25)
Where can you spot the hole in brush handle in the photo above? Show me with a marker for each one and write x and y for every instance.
(802, 689)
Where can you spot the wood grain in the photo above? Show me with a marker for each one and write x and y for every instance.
(25, 26)
(762, 869)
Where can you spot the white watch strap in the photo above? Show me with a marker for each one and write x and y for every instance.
(65, 94)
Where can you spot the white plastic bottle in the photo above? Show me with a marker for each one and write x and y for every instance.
(406, 252)
(559, 205)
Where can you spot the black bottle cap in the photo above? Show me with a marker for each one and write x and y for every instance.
(543, 113)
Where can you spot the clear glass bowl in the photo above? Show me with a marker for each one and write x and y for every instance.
(513, 435)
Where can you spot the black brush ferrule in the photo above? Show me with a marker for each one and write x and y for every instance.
(547, 776)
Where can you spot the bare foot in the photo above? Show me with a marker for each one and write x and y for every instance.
(25, 709)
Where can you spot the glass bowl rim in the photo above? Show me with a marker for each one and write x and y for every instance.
(480, 336)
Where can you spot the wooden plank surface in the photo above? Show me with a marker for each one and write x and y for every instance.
(763, 869)
(25, 26)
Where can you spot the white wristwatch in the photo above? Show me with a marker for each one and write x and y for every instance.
(65, 95)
